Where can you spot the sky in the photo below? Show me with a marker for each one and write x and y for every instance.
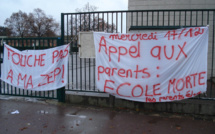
(56, 7)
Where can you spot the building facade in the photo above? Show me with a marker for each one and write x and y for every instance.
(169, 14)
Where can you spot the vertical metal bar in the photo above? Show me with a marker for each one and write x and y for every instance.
(7, 88)
(89, 23)
(80, 23)
(121, 22)
(61, 91)
(196, 18)
(3, 81)
(71, 23)
(147, 18)
(174, 18)
(98, 22)
(152, 18)
(112, 24)
(185, 15)
(94, 74)
(163, 17)
(23, 91)
(62, 28)
(107, 22)
(89, 74)
(137, 18)
(80, 59)
(35, 41)
(44, 42)
(67, 42)
(131, 18)
(84, 25)
(71, 32)
(94, 61)
(67, 29)
(191, 17)
(49, 45)
(179, 18)
(202, 18)
(73, 42)
(142, 18)
(85, 74)
(76, 59)
(98, 26)
(80, 73)
(208, 18)
(116, 22)
(103, 21)
(158, 18)
(126, 16)
(93, 21)
(168, 18)
(212, 62)
(15, 90)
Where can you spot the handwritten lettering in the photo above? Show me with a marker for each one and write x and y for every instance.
(136, 90)
(51, 76)
(121, 72)
(24, 60)
(191, 32)
(134, 37)
(158, 51)
(59, 54)
(188, 82)
(132, 51)
(27, 68)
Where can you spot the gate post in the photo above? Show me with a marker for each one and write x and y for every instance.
(61, 91)
(61, 94)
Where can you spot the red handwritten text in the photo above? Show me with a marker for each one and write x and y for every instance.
(143, 90)
(121, 72)
(134, 37)
(133, 51)
(24, 60)
(51, 77)
(157, 52)
(187, 82)
(59, 54)
(191, 32)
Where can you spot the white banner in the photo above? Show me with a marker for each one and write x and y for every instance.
(156, 66)
(38, 70)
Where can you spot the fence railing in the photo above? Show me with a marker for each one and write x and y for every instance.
(29, 44)
(81, 75)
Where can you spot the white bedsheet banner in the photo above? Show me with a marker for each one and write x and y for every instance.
(156, 66)
(38, 70)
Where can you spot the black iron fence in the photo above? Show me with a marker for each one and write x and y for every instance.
(30, 44)
(81, 75)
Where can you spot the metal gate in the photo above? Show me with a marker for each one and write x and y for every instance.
(30, 44)
(81, 75)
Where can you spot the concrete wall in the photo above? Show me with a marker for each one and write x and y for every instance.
(167, 18)
(189, 106)
(170, 4)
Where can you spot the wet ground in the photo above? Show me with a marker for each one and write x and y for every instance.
(50, 117)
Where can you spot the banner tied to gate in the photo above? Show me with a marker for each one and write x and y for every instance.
(38, 70)
(154, 66)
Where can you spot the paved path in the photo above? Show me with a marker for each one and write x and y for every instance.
(50, 117)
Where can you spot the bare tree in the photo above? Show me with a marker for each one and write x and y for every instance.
(89, 21)
(87, 8)
(18, 24)
(4, 31)
(36, 24)
(41, 24)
